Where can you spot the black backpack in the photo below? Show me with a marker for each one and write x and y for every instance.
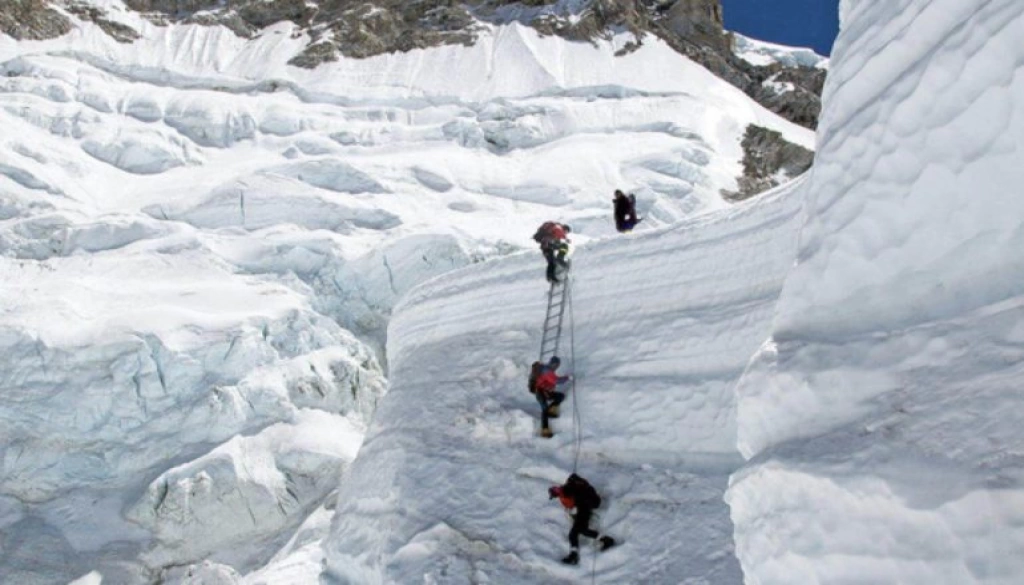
(582, 492)
(535, 370)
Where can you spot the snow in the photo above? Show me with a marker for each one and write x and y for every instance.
(219, 505)
(877, 420)
(92, 578)
(211, 257)
(757, 52)
(880, 418)
(451, 481)
(202, 247)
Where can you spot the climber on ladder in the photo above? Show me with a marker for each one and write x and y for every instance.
(553, 238)
(544, 382)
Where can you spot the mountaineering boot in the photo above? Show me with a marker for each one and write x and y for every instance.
(546, 433)
(553, 411)
(572, 558)
(606, 542)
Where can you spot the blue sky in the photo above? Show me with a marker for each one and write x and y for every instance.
(804, 23)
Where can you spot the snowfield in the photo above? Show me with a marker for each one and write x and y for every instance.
(201, 248)
(267, 326)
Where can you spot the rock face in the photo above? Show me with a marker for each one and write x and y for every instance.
(120, 32)
(699, 21)
(360, 28)
(695, 29)
(768, 161)
(32, 20)
(792, 92)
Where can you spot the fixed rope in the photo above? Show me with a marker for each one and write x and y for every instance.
(576, 420)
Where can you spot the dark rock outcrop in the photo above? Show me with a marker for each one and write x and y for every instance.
(768, 160)
(793, 93)
(360, 29)
(698, 21)
(695, 29)
(32, 20)
(122, 33)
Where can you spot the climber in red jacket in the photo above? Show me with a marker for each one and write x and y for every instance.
(544, 382)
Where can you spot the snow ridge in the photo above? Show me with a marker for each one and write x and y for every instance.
(878, 418)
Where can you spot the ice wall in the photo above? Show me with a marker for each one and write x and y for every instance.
(450, 486)
(882, 418)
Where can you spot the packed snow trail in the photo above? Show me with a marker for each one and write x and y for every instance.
(883, 418)
(451, 483)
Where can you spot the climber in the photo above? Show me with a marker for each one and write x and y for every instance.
(545, 389)
(577, 493)
(554, 244)
(625, 211)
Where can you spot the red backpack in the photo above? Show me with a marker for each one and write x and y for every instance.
(546, 382)
(549, 231)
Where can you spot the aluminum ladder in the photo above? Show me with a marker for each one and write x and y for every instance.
(553, 320)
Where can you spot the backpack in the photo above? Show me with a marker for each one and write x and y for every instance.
(535, 370)
(546, 381)
(543, 233)
(582, 492)
(548, 232)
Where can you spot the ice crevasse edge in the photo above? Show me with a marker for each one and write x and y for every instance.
(881, 419)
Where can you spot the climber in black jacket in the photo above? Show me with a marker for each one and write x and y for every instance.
(625, 211)
(577, 493)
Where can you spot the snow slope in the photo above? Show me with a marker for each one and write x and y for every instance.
(201, 246)
(451, 483)
(881, 419)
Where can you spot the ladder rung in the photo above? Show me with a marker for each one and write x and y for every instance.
(552, 332)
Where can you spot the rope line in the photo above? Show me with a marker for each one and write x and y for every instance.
(577, 421)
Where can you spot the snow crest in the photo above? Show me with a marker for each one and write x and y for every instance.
(880, 416)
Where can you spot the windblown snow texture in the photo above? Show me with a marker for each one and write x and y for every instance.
(451, 483)
(883, 416)
(201, 247)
